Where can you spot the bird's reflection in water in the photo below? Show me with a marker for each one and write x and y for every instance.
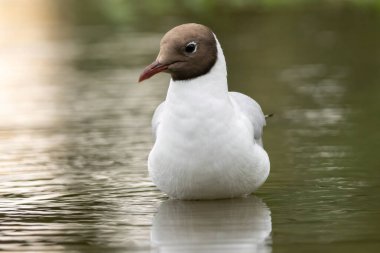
(235, 225)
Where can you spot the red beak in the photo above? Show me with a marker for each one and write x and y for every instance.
(154, 68)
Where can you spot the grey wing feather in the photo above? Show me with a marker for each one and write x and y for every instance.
(156, 119)
(252, 110)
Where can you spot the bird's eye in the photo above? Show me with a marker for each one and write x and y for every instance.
(191, 47)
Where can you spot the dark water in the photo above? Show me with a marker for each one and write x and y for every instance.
(75, 131)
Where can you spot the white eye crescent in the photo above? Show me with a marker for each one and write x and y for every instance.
(191, 47)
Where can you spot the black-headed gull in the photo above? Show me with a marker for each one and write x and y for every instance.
(208, 141)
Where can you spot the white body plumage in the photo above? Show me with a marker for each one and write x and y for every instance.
(208, 140)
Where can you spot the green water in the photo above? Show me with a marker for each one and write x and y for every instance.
(75, 129)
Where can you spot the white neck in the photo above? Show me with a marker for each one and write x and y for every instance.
(213, 84)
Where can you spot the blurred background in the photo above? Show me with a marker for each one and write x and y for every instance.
(75, 124)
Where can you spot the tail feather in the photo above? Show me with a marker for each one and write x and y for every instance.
(269, 115)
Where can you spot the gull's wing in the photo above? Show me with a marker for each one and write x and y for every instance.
(252, 110)
(157, 118)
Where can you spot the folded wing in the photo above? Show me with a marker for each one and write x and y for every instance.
(252, 110)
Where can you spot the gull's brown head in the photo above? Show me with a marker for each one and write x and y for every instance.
(186, 51)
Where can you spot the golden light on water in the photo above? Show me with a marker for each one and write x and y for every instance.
(26, 93)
